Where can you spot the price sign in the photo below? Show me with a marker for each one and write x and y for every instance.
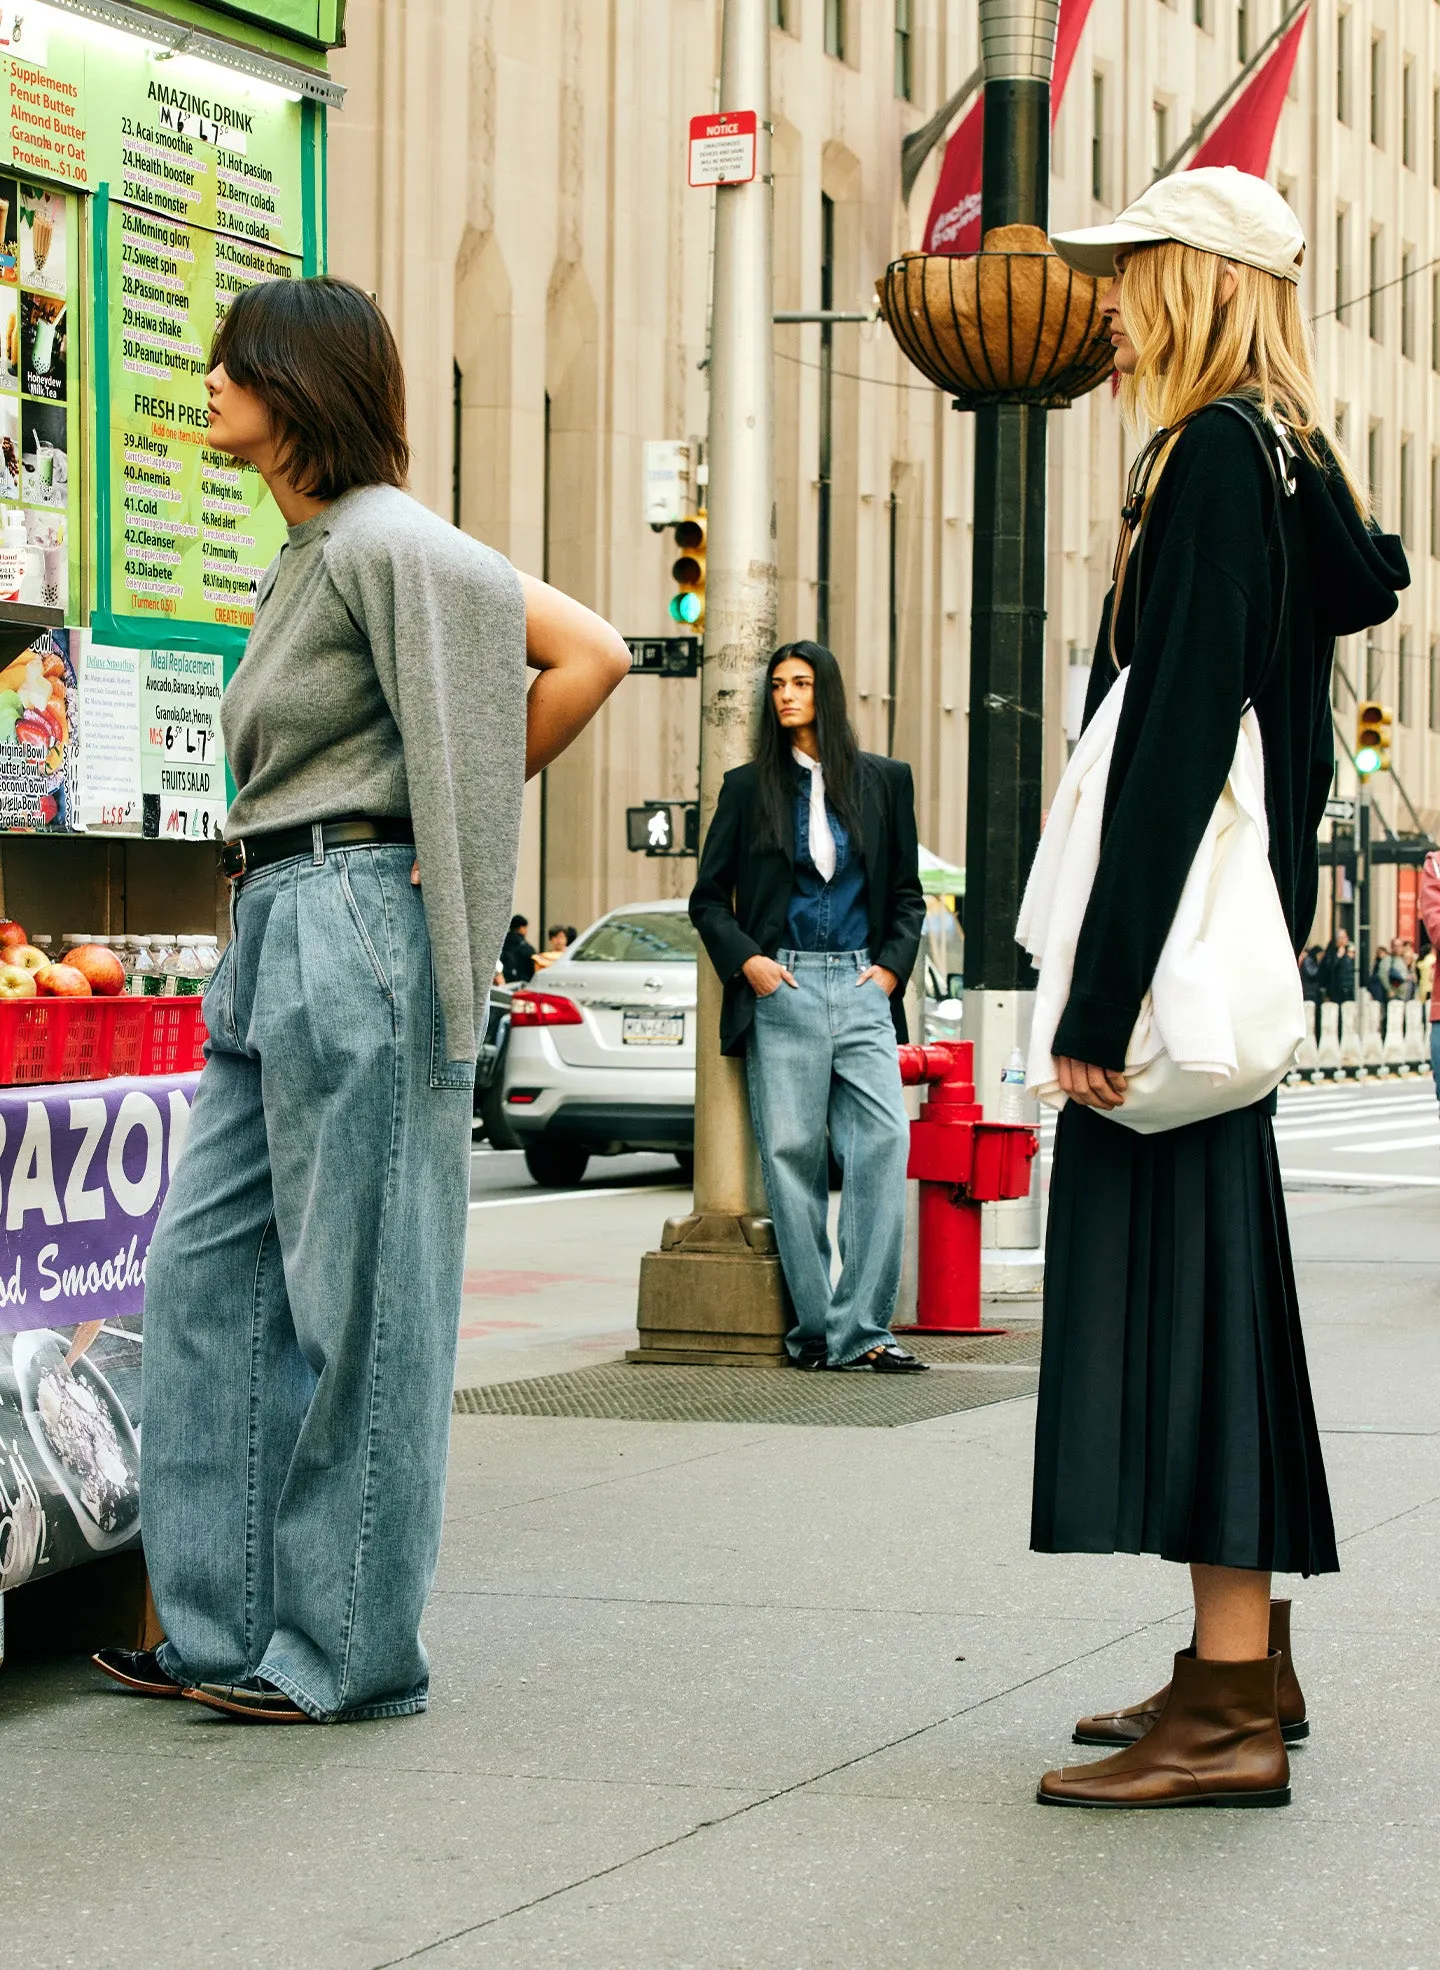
(190, 742)
(190, 821)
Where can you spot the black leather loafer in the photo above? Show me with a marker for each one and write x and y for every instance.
(254, 1700)
(138, 1671)
(888, 1361)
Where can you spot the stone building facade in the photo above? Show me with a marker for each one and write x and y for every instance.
(509, 180)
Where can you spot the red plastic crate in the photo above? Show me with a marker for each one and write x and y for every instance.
(90, 1039)
(175, 1039)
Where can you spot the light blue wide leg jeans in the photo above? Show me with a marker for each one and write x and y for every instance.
(302, 1299)
(822, 1052)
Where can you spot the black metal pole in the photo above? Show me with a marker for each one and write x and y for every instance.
(1007, 619)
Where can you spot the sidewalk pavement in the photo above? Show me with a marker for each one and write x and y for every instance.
(710, 1696)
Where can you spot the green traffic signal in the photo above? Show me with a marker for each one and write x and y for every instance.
(686, 608)
(1367, 760)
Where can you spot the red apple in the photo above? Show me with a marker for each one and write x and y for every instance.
(100, 965)
(16, 983)
(12, 932)
(29, 957)
(61, 981)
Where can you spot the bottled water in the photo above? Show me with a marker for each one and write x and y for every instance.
(162, 949)
(1012, 1089)
(183, 976)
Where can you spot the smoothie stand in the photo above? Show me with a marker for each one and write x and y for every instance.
(154, 160)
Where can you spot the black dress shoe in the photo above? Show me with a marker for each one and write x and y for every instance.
(138, 1671)
(808, 1360)
(888, 1361)
(257, 1701)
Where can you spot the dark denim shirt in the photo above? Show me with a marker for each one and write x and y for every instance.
(826, 916)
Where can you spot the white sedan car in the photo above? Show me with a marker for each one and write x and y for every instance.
(601, 1054)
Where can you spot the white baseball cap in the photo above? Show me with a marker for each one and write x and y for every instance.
(1216, 209)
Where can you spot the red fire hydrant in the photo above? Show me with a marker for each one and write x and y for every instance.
(962, 1161)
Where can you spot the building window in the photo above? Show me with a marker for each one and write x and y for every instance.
(835, 29)
(777, 14)
(1407, 114)
(1435, 138)
(1342, 420)
(1341, 244)
(1403, 707)
(1377, 91)
(1435, 506)
(1097, 136)
(904, 50)
(1242, 32)
(1407, 302)
(1162, 135)
(1435, 323)
(1342, 67)
(1435, 687)
(1374, 460)
(1375, 297)
(1407, 514)
(1202, 13)
(1374, 668)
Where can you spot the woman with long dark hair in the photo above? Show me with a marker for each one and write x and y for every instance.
(302, 1297)
(808, 901)
(1175, 1413)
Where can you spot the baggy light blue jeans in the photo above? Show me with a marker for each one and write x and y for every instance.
(823, 1051)
(302, 1299)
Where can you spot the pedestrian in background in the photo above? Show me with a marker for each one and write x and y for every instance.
(1175, 1414)
(557, 942)
(302, 1296)
(1312, 975)
(1339, 969)
(1381, 984)
(517, 953)
(1430, 917)
(808, 900)
(1425, 972)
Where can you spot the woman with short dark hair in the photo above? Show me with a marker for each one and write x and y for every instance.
(303, 1289)
(808, 900)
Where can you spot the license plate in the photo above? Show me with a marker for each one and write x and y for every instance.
(653, 1029)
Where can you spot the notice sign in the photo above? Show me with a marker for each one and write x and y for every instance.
(722, 148)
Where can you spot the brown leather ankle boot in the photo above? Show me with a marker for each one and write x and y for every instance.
(1217, 1742)
(1119, 1727)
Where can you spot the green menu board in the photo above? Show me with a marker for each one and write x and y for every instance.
(180, 136)
(191, 529)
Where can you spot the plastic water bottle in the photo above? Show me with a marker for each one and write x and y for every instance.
(162, 949)
(183, 976)
(1012, 1088)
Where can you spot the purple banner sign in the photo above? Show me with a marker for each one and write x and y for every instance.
(83, 1170)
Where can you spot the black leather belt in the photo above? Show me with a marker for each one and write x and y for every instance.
(239, 859)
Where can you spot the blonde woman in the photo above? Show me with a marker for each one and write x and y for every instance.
(1175, 1414)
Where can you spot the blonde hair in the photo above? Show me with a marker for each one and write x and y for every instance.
(1257, 344)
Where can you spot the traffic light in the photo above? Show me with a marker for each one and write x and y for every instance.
(688, 605)
(1372, 737)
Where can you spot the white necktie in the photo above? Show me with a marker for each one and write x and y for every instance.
(822, 842)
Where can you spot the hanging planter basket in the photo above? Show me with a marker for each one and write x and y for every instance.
(1010, 324)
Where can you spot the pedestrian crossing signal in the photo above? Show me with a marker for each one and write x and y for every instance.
(1372, 737)
(663, 827)
(688, 605)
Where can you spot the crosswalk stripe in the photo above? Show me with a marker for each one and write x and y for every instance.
(1332, 1131)
(1348, 1179)
(1431, 1141)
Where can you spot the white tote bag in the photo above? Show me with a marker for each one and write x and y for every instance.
(1224, 1014)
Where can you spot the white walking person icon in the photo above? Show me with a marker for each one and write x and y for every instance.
(659, 825)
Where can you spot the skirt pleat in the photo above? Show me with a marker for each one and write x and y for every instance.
(1175, 1414)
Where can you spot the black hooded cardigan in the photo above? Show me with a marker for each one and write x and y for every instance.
(1196, 630)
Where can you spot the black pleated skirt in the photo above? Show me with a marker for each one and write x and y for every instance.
(1175, 1414)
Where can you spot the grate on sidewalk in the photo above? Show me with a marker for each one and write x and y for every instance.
(653, 1393)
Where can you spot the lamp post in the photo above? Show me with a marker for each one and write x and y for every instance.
(1007, 620)
(714, 1290)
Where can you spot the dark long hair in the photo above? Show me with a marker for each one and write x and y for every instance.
(839, 750)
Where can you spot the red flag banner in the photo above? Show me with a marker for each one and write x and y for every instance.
(1245, 135)
(954, 222)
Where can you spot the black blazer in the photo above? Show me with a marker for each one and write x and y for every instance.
(742, 893)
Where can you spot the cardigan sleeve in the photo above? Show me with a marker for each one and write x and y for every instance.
(1204, 624)
(712, 900)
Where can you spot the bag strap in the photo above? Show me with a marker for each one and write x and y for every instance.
(1279, 451)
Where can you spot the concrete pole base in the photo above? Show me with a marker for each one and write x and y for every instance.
(714, 1293)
